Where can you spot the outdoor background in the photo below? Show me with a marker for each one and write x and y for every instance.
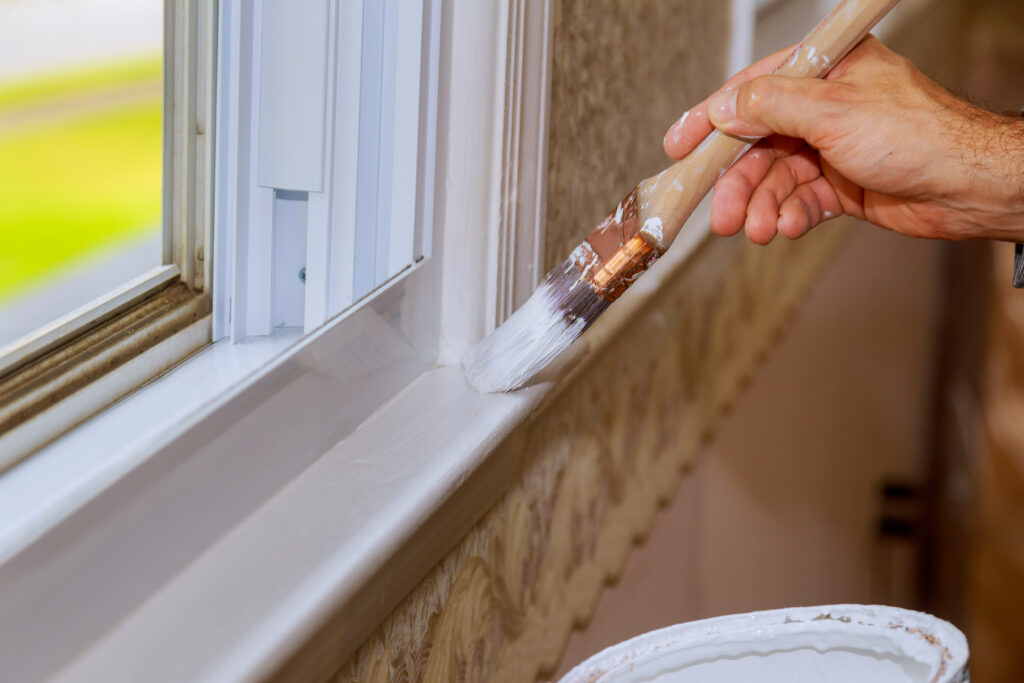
(80, 153)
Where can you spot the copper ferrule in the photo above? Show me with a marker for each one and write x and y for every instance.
(615, 253)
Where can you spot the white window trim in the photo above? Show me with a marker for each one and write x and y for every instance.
(190, 471)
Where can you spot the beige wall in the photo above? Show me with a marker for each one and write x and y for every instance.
(781, 509)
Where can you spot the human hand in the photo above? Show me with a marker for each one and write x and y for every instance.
(875, 139)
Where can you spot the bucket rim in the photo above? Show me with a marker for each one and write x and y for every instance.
(926, 638)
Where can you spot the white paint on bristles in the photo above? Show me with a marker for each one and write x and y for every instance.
(583, 253)
(524, 344)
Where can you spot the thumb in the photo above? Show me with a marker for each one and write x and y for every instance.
(796, 107)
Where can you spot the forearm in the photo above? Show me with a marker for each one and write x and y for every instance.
(991, 161)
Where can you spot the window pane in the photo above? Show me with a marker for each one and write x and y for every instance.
(80, 153)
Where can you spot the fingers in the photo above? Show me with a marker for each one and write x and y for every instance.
(809, 204)
(735, 188)
(795, 107)
(764, 209)
(693, 126)
(774, 189)
(733, 191)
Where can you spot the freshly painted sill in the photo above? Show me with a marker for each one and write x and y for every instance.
(321, 541)
(347, 538)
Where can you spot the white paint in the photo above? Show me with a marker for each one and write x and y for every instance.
(523, 345)
(834, 643)
(618, 215)
(494, 250)
(340, 521)
(804, 665)
(408, 127)
(57, 479)
(654, 229)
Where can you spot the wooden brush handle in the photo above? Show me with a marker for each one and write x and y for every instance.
(668, 199)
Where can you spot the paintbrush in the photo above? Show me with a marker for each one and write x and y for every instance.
(641, 228)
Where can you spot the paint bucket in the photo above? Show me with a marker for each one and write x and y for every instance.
(830, 644)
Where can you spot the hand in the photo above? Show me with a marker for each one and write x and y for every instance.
(876, 139)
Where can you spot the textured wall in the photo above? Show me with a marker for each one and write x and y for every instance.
(623, 71)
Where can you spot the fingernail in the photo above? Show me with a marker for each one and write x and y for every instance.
(675, 130)
(722, 106)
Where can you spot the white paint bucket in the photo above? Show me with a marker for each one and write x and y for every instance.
(830, 644)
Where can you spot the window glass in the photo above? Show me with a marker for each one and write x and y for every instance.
(80, 153)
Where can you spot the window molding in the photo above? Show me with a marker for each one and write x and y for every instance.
(500, 185)
(52, 379)
(190, 475)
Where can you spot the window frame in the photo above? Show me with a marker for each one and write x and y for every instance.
(65, 372)
(226, 459)
(253, 262)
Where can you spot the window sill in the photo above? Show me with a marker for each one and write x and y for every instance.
(384, 498)
(56, 480)
(350, 534)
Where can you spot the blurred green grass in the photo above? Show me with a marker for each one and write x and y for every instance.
(84, 175)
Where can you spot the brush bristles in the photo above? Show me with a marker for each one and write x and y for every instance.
(558, 312)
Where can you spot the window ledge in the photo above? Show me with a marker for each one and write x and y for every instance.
(383, 497)
(57, 479)
(358, 528)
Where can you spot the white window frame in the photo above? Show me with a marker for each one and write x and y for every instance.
(291, 144)
(61, 374)
(220, 462)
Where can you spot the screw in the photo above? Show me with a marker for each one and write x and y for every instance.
(302, 274)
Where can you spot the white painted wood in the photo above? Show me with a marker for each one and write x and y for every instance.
(316, 307)
(244, 216)
(96, 567)
(84, 317)
(408, 91)
(429, 191)
(527, 261)
(494, 225)
(264, 612)
(341, 248)
(57, 480)
(226, 179)
(293, 94)
(91, 568)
